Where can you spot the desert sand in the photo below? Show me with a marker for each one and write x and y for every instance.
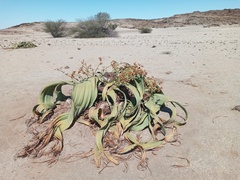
(199, 68)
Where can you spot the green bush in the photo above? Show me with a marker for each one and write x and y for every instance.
(145, 30)
(90, 29)
(112, 26)
(55, 28)
(94, 27)
(23, 44)
(102, 18)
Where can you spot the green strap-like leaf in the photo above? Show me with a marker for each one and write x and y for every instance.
(131, 138)
(64, 121)
(46, 96)
(93, 115)
(155, 102)
(46, 113)
(60, 96)
(142, 123)
(133, 120)
(151, 145)
(127, 149)
(184, 110)
(105, 89)
(84, 94)
(46, 99)
(139, 82)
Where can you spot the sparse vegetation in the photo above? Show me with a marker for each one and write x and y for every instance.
(94, 27)
(145, 30)
(118, 105)
(55, 28)
(23, 44)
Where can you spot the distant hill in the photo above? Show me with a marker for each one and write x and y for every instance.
(207, 19)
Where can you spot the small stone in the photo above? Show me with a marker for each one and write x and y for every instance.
(66, 67)
(236, 108)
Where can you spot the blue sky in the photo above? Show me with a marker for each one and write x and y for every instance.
(13, 12)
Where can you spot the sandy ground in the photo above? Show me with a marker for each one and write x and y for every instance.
(199, 68)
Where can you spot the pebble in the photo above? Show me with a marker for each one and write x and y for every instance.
(236, 108)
